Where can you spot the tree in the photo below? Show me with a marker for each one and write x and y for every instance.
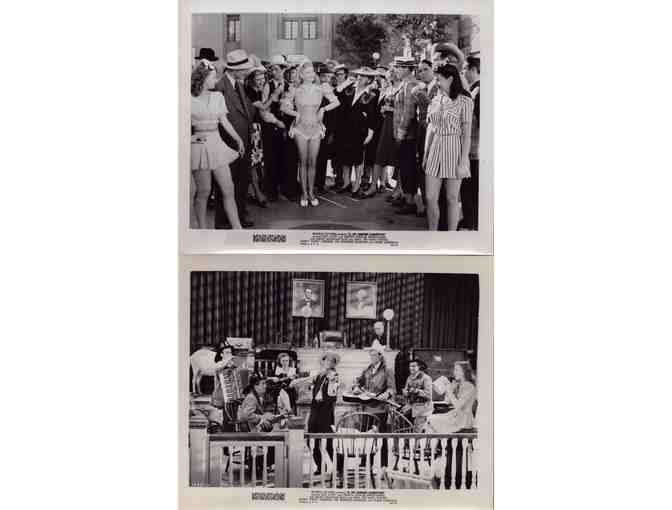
(420, 30)
(358, 36)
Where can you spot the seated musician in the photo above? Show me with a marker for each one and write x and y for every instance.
(461, 393)
(325, 392)
(284, 374)
(418, 393)
(377, 381)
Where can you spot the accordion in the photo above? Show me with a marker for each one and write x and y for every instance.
(228, 392)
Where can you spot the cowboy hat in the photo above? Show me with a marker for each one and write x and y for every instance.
(332, 356)
(207, 54)
(238, 60)
(421, 363)
(365, 71)
(442, 50)
(376, 346)
(278, 60)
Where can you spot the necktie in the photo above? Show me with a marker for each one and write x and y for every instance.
(239, 89)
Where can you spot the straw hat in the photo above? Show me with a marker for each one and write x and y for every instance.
(279, 60)
(404, 62)
(238, 60)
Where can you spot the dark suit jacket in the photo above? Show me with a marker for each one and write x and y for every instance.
(241, 114)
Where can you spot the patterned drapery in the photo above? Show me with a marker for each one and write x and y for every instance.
(259, 305)
(430, 310)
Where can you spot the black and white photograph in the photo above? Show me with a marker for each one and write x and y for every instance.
(395, 405)
(316, 122)
(361, 300)
(307, 298)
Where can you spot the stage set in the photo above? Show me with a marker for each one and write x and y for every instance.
(340, 380)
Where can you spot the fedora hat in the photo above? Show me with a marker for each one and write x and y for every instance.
(278, 60)
(404, 62)
(237, 60)
(207, 54)
(366, 71)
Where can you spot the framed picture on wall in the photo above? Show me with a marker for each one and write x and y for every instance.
(362, 298)
(307, 298)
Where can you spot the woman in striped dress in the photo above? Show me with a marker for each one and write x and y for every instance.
(447, 145)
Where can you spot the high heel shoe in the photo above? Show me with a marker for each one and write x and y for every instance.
(303, 202)
(314, 202)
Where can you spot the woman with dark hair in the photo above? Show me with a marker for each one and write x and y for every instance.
(209, 154)
(254, 88)
(385, 149)
(307, 130)
(446, 156)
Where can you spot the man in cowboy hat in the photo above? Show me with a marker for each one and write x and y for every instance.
(469, 188)
(418, 393)
(376, 380)
(405, 123)
(241, 114)
(324, 394)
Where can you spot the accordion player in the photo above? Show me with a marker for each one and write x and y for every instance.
(228, 393)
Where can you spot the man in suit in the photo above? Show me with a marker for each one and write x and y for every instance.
(469, 189)
(406, 132)
(275, 135)
(241, 113)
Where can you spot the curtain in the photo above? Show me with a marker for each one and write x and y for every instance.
(258, 305)
(451, 311)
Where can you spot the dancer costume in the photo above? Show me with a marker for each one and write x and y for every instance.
(209, 151)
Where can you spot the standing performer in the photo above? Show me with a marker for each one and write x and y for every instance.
(241, 113)
(209, 154)
(447, 145)
(357, 128)
(469, 189)
(325, 391)
(307, 128)
(326, 151)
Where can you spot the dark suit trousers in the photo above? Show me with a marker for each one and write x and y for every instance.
(469, 197)
(274, 148)
(288, 183)
(408, 166)
(323, 155)
(241, 175)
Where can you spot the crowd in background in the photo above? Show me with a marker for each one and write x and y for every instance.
(410, 128)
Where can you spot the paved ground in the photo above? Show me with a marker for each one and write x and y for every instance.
(335, 212)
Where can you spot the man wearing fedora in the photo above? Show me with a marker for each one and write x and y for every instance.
(207, 54)
(405, 123)
(241, 114)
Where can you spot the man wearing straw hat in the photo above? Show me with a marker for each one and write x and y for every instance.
(241, 114)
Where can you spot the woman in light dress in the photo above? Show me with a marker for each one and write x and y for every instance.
(446, 156)
(461, 393)
(303, 103)
(209, 154)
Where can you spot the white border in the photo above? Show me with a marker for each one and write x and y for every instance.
(409, 242)
(211, 498)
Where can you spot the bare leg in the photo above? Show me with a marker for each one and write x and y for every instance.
(313, 150)
(453, 199)
(258, 194)
(203, 180)
(376, 175)
(432, 190)
(223, 177)
(302, 146)
(359, 169)
(346, 175)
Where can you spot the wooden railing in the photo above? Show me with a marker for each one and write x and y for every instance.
(395, 460)
(349, 460)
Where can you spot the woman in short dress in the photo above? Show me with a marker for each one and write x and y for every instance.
(209, 154)
(307, 130)
(447, 143)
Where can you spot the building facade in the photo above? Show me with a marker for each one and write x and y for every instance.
(265, 35)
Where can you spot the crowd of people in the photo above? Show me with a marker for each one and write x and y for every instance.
(269, 132)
